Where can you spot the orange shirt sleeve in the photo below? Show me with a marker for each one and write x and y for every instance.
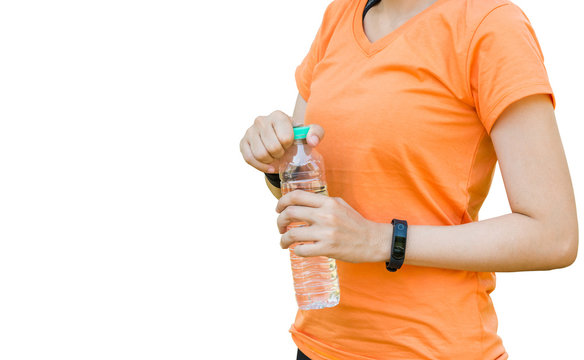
(505, 63)
(304, 71)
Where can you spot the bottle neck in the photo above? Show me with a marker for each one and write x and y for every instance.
(300, 149)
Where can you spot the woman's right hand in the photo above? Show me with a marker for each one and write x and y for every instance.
(266, 141)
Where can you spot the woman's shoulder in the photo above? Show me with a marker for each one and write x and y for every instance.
(337, 8)
(477, 10)
(338, 5)
(336, 12)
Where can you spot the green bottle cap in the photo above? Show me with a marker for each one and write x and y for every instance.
(300, 132)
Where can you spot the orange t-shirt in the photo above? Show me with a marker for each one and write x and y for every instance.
(407, 121)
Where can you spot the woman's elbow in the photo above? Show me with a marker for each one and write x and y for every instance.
(558, 239)
(571, 249)
(567, 251)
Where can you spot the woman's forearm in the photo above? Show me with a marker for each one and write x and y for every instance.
(512, 242)
(540, 233)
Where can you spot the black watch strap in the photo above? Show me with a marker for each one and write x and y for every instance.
(274, 179)
(398, 245)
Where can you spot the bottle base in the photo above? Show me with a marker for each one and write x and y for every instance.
(320, 304)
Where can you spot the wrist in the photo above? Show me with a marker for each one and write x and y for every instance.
(381, 235)
(277, 192)
(274, 179)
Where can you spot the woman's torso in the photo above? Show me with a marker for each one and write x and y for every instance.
(404, 139)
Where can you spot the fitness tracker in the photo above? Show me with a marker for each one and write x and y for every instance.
(398, 245)
(274, 179)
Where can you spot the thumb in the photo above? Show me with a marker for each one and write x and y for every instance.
(315, 134)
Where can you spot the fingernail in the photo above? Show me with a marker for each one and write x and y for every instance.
(314, 139)
(271, 170)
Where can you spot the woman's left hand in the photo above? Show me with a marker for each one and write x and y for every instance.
(337, 230)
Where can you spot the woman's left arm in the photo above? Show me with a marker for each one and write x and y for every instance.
(541, 232)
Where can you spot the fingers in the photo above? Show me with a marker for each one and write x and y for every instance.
(249, 158)
(294, 214)
(301, 198)
(258, 148)
(271, 142)
(306, 250)
(267, 140)
(315, 134)
(269, 137)
(282, 126)
(302, 235)
(298, 234)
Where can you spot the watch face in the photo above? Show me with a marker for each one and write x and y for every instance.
(399, 248)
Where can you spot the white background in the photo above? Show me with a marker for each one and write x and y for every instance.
(130, 226)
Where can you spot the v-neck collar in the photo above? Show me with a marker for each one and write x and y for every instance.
(371, 48)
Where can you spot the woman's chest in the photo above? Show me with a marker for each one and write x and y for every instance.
(399, 104)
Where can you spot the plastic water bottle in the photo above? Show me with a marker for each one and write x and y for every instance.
(315, 278)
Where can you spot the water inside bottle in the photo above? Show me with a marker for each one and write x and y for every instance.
(315, 278)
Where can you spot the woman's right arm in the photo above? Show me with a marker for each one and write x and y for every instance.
(266, 141)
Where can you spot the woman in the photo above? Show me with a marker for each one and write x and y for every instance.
(419, 99)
